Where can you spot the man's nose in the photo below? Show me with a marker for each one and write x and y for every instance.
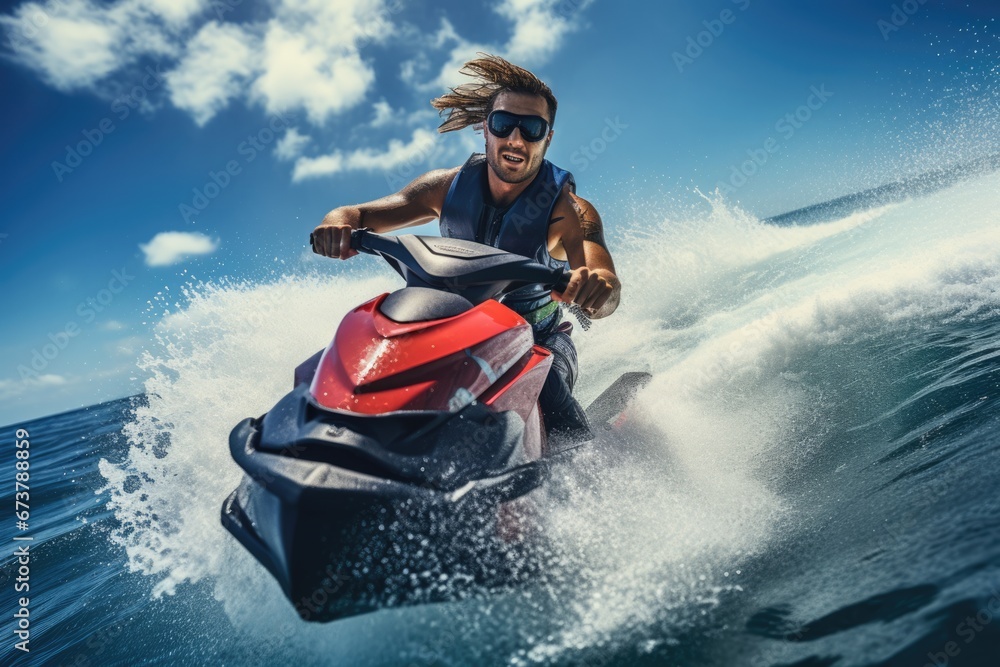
(515, 137)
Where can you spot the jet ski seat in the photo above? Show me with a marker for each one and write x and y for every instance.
(421, 304)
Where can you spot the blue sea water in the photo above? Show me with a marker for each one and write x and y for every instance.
(814, 477)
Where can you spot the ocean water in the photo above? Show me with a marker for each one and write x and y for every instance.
(811, 478)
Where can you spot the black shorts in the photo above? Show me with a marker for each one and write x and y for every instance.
(564, 359)
(562, 413)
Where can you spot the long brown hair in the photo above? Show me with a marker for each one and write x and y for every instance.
(470, 103)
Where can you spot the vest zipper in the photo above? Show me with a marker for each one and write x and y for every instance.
(490, 224)
(495, 226)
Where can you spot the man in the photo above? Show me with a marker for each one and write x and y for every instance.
(511, 198)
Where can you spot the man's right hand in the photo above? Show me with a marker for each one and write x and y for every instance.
(333, 240)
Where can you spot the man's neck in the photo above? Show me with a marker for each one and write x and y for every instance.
(504, 193)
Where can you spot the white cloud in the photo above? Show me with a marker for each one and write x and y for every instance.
(72, 48)
(301, 73)
(307, 55)
(312, 167)
(446, 33)
(291, 144)
(112, 325)
(167, 248)
(461, 52)
(51, 380)
(311, 55)
(383, 114)
(212, 71)
(422, 145)
(540, 26)
(10, 388)
(175, 12)
(73, 44)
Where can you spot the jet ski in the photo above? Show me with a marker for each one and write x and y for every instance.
(398, 468)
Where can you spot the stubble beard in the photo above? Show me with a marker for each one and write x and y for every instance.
(497, 165)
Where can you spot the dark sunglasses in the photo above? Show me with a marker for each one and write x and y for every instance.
(502, 123)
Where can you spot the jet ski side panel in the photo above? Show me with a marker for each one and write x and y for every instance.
(375, 365)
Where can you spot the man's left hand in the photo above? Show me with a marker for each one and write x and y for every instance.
(587, 288)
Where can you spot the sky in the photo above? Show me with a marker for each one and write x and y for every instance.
(149, 143)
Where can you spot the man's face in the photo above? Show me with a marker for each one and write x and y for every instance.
(502, 153)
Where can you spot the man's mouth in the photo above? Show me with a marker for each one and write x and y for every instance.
(513, 159)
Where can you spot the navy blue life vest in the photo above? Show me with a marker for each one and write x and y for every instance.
(522, 227)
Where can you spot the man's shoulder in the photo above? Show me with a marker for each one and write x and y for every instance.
(434, 182)
(440, 175)
(582, 205)
(570, 202)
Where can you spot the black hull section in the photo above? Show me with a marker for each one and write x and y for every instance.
(348, 523)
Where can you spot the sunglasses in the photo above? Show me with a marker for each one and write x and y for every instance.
(502, 123)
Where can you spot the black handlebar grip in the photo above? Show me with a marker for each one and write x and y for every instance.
(563, 282)
(358, 237)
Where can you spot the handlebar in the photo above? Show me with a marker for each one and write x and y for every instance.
(356, 237)
(358, 240)
(456, 265)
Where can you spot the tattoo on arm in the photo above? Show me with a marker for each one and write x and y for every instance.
(593, 230)
(590, 224)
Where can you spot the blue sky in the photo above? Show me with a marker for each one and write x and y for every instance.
(144, 143)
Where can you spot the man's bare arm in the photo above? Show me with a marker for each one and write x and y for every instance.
(419, 202)
(595, 286)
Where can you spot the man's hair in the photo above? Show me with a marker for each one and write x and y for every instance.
(471, 103)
